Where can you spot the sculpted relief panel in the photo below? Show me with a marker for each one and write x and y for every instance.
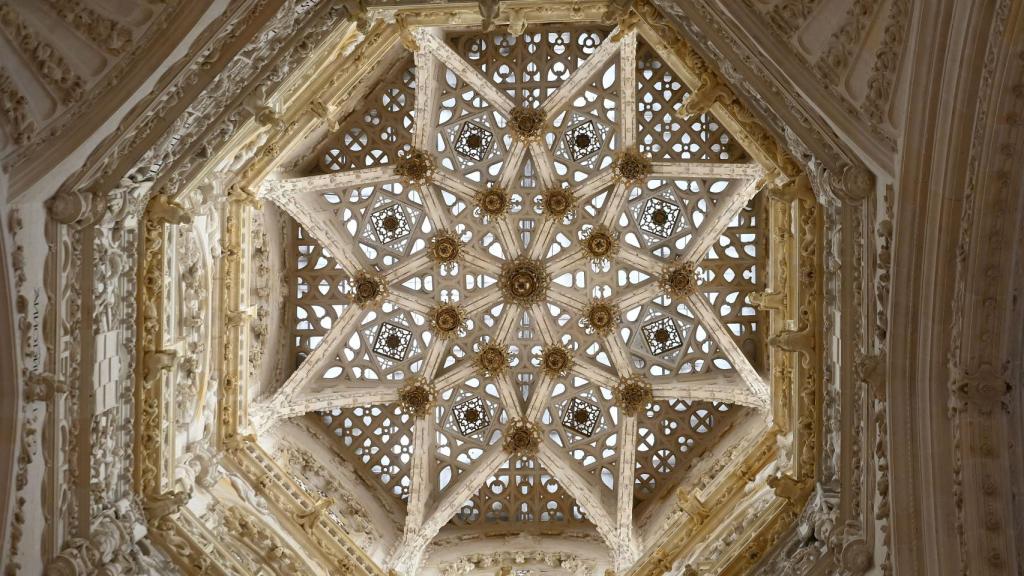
(855, 55)
(57, 57)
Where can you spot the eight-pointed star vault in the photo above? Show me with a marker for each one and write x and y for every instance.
(529, 282)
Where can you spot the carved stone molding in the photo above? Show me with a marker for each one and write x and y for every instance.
(824, 454)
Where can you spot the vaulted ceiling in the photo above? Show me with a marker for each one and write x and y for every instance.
(520, 288)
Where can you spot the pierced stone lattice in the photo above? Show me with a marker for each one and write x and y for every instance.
(581, 417)
(396, 340)
(596, 453)
(378, 133)
(528, 68)
(473, 141)
(521, 491)
(319, 294)
(457, 448)
(380, 437)
(650, 219)
(672, 434)
(473, 137)
(731, 272)
(662, 133)
(390, 223)
(471, 415)
(692, 349)
(392, 341)
(662, 336)
(659, 217)
(387, 220)
(584, 138)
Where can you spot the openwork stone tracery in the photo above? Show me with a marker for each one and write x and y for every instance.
(394, 336)
(563, 291)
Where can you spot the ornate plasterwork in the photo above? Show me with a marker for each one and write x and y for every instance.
(65, 41)
(835, 62)
(506, 562)
(792, 345)
(48, 61)
(20, 126)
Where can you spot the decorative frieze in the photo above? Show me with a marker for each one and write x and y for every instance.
(46, 60)
(16, 114)
(107, 33)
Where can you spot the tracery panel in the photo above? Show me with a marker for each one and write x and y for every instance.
(379, 132)
(734, 269)
(665, 339)
(469, 418)
(472, 137)
(671, 435)
(520, 491)
(579, 406)
(318, 294)
(585, 135)
(529, 67)
(387, 221)
(663, 132)
(380, 437)
(662, 216)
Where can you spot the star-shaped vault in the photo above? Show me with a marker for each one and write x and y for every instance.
(522, 282)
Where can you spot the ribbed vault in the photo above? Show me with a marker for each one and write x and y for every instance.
(522, 286)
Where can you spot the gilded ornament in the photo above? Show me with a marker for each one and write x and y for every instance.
(558, 203)
(367, 288)
(631, 167)
(447, 320)
(522, 438)
(600, 243)
(679, 281)
(492, 359)
(524, 281)
(417, 167)
(416, 397)
(526, 124)
(445, 248)
(493, 202)
(556, 360)
(601, 316)
(633, 394)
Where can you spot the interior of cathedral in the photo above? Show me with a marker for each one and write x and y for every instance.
(512, 288)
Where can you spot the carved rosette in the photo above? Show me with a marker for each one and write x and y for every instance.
(522, 438)
(492, 359)
(417, 167)
(526, 124)
(445, 248)
(631, 167)
(556, 360)
(558, 203)
(632, 395)
(448, 320)
(368, 288)
(494, 202)
(524, 281)
(600, 243)
(679, 281)
(601, 316)
(416, 397)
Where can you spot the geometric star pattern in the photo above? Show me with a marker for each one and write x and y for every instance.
(524, 283)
